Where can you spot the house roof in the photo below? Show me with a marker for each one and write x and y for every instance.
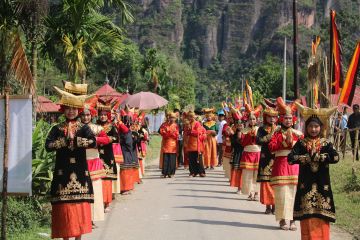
(107, 90)
(356, 100)
(46, 105)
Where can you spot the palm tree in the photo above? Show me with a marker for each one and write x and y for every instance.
(32, 23)
(13, 61)
(78, 28)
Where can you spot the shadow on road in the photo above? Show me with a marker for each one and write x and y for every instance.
(221, 198)
(232, 224)
(198, 183)
(205, 208)
(209, 191)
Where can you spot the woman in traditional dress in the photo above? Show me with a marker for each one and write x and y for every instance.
(196, 135)
(106, 151)
(284, 177)
(314, 202)
(129, 169)
(250, 157)
(210, 152)
(227, 133)
(95, 164)
(71, 187)
(264, 134)
(169, 131)
(236, 179)
(116, 150)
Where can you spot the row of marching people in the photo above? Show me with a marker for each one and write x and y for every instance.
(286, 169)
(198, 143)
(97, 156)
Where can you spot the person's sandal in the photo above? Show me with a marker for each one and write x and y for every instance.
(268, 211)
(255, 197)
(250, 197)
(202, 175)
(292, 226)
(283, 225)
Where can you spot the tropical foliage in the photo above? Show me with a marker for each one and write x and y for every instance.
(43, 162)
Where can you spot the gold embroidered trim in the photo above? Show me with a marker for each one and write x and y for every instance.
(73, 186)
(315, 211)
(266, 171)
(73, 197)
(314, 201)
(83, 142)
(60, 143)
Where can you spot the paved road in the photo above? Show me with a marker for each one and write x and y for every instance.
(184, 208)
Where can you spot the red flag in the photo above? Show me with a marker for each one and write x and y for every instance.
(335, 56)
(348, 90)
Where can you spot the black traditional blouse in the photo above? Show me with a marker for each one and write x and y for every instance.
(237, 150)
(71, 179)
(106, 152)
(266, 162)
(314, 196)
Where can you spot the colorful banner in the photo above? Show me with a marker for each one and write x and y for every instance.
(348, 90)
(335, 56)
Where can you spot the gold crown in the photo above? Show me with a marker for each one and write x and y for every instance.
(322, 113)
(75, 88)
(270, 112)
(70, 100)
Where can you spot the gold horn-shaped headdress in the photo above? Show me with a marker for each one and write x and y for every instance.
(70, 100)
(75, 88)
(322, 113)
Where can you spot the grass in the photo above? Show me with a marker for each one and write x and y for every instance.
(32, 234)
(347, 203)
(153, 150)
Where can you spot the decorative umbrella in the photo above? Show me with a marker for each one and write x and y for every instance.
(145, 101)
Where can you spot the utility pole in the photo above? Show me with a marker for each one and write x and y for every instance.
(284, 78)
(295, 54)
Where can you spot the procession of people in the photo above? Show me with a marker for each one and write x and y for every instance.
(265, 158)
(101, 151)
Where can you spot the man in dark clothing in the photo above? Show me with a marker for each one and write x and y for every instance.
(180, 157)
(354, 123)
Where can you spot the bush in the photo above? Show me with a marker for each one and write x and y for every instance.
(25, 213)
(352, 184)
(42, 161)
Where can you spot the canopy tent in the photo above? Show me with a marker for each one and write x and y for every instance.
(45, 105)
(107, 90)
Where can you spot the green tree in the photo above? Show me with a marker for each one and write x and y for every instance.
(77, 28)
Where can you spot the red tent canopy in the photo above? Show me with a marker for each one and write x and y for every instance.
(107, 90)
(46, 105)
(356, 100)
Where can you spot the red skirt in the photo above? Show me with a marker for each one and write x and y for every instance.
(267, 196)
(236, 179)
(107, 191)
(70, 220)
(126, 179)
(135, 175)
(315, 229)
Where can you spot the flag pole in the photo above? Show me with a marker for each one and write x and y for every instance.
(284, 77)
(295, 52)
(5, 164)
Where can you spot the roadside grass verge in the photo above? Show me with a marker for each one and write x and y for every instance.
(346, 195)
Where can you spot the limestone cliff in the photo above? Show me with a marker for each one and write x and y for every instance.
(225, 29)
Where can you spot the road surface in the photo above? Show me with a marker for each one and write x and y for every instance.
(184, 208)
